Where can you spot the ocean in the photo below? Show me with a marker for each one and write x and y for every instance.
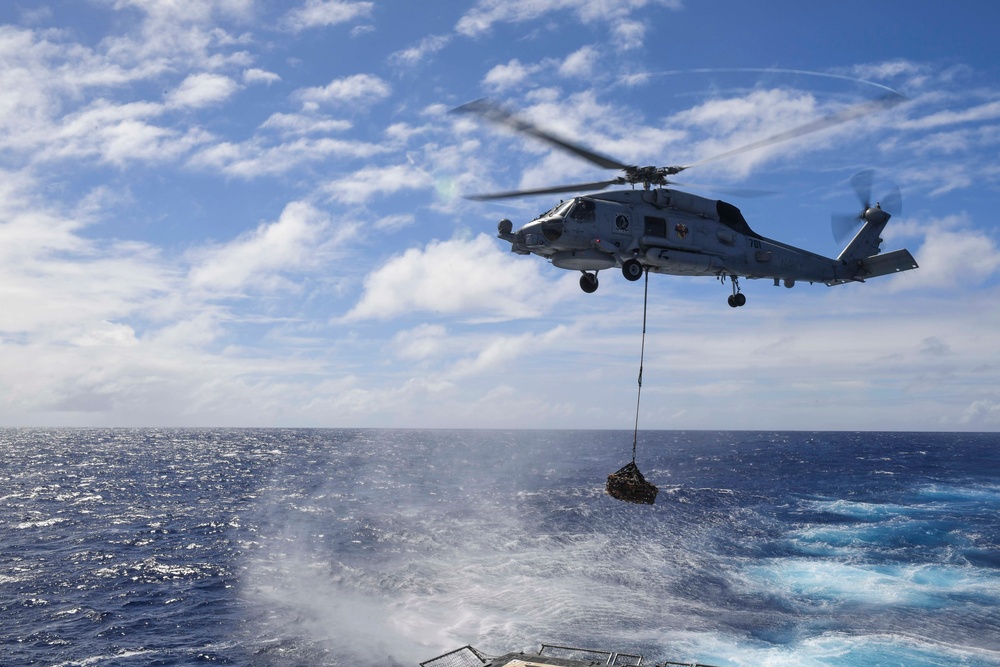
(389, 547)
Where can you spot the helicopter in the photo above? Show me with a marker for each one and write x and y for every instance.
(659, 229)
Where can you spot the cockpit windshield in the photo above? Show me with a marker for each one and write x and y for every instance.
(577, 210)
(558, 209)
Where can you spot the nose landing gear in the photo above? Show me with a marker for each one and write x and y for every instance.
(737, 298)
(588, 282)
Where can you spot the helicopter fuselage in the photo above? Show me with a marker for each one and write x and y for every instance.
(667, 231)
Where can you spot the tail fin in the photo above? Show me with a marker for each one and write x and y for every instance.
(861, 260)
(862, 253)
(868, 239)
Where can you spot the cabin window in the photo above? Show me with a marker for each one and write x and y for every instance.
(656, 226)
(731, 217)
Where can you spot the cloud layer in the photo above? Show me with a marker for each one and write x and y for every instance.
(249, 213)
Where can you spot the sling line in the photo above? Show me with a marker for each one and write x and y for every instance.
(642, 353)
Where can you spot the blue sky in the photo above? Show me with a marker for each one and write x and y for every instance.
(249, 213)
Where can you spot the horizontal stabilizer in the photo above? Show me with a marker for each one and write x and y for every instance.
(880, 265)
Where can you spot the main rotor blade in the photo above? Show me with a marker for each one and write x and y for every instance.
(887, 101)
(579, 187)
(496, 114)
(747, 193)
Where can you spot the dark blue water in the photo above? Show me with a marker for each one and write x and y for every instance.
(330, 547)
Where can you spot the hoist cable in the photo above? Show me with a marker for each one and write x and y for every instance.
(642, 354)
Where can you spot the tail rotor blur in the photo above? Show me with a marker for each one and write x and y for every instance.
(845, 225)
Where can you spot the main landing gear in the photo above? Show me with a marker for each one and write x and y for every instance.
(632, 270)
(737, 298)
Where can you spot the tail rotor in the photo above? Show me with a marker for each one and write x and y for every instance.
(846, 224)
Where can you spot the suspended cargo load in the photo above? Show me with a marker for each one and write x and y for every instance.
(629, 485)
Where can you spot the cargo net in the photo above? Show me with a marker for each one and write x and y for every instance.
(460, 657)
(629, 485)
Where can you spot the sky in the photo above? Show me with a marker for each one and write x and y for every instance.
(250, 213)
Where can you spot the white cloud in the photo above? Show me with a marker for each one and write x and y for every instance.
(580, 63)
(426, 341)
(356, 89)
(987, 111)
(403, 132)
(720, 125)
(191, 11)
(983, 413)
(500, 351)
(598, 125)
(256, 75)
(487, 13)
(887, 69)
(181, 33)
(428, 46)
(301, 124)
(116, 133)
(57, 286)
(370, 182)
(258, 259)
(94, 329)
(323, 13)
(202, 90)
(469, 278)
(43, 78)
(503, 77)
(255, 158)
(395, 222)
(913, 74)
(68, 101)
(107, 334)
(952, 255)
(628, 34)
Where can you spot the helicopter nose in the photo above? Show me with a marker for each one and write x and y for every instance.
(551, 229)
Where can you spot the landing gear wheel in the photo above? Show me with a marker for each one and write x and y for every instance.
(632, 270)
(737, 298)
(588, 282)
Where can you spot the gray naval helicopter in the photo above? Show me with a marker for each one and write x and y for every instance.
(662, 230)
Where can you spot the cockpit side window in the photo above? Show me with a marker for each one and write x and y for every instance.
(583, 210)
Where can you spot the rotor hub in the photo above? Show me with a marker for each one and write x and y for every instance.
(876, 216)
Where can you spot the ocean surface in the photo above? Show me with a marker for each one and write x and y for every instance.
(370, 547)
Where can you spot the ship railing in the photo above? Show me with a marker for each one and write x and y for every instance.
(469, 656)
(466, 656)
(595, 656)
